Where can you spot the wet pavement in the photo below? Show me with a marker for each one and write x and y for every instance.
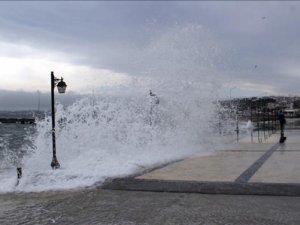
(263, 168)
(245, 166)
(97, 206)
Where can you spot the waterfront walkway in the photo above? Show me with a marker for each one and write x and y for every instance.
(262, 168)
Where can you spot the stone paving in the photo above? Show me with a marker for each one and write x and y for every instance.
(247, 167)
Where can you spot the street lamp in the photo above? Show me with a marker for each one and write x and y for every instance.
(231, 100)
(61, 87)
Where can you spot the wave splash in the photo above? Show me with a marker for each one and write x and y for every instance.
(123, 131)
(107, 136)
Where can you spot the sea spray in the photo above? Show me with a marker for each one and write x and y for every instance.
(103, 136)
(119, 131)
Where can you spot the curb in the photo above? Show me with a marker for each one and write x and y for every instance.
(228, 188)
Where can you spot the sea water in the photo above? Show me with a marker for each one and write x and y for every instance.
(13, 138)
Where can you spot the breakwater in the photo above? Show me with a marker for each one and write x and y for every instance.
(18, 120)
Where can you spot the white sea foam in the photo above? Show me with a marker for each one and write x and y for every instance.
(120, 132)
(106, 136)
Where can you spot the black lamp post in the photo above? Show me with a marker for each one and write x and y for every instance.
(61, 87)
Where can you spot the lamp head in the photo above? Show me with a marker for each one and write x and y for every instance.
(61, 86)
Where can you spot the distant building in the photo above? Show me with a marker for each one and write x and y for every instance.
(272, 105)
(283, 104)
(292, 112)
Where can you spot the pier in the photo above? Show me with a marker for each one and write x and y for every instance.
(18, 120)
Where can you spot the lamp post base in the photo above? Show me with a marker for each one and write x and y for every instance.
(55, 163)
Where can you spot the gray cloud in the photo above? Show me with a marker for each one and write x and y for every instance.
(143, 38)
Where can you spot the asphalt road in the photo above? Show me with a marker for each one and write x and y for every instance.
(97, 206)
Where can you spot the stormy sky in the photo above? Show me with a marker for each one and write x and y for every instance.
(252, 47)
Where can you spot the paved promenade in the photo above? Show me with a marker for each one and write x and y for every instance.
(251, 166)
(260, 168)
